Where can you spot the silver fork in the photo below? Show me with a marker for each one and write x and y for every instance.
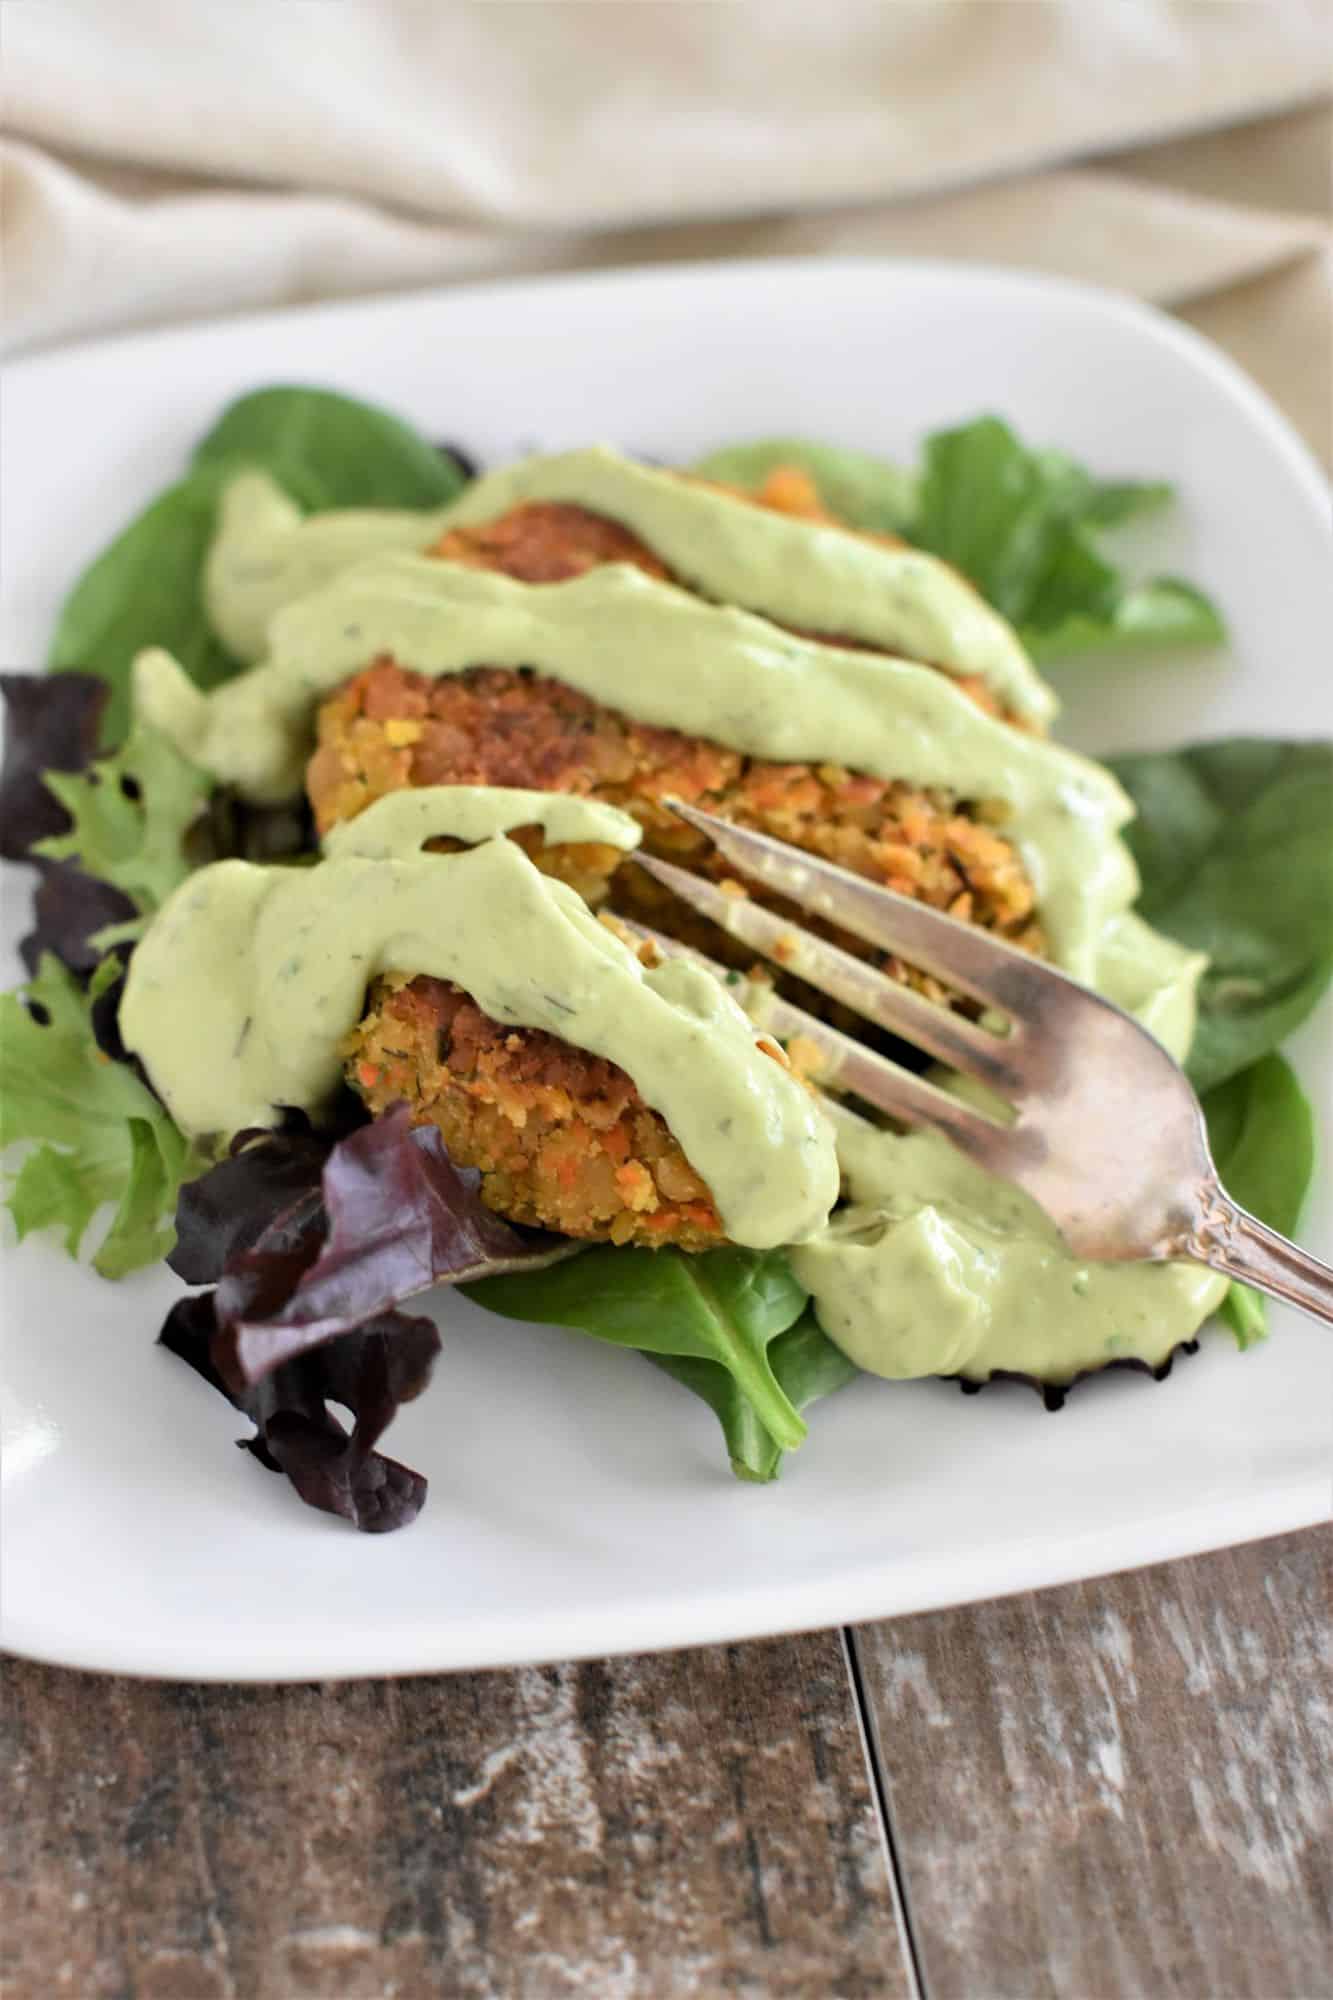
(1097, 1122)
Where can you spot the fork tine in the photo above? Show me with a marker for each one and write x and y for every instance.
(860, 986)
(850, 1066)
(941, 945)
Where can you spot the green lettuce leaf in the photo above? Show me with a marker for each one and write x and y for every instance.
(1234, 842)
(1024, 526)
(807, 1366)
(355, 454)
(713, 1321)
(1261, 1132)
(130, 812)
(869, 493)
(1165, 612)
(146, 589)
(100, 1135)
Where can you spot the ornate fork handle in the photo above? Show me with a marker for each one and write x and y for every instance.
(1227, 1238)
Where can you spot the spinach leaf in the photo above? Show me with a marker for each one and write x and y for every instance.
(1261, 1131)
(1023, 525)
(1166, 612)
(357, 455)
(865, 492)
(720, 1310)
(146, 588)
(1234, 841)
(100, 1134)
(145, 591)
(129, 814)
(807, 1366)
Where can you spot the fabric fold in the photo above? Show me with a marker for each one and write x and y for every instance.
(172, 164)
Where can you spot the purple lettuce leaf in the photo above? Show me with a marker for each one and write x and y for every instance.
(371, 1372)
(312, 1242)
(51, 724)
(69, 908)
(265, 1177)
(396, 1218)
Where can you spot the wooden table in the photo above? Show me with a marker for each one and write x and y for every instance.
(1120, 1788)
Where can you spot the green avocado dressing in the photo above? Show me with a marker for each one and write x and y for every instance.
(938, 1268)
(935, 1267)
(249, 977)
(818, 579)
(400, 822)
(666, 658)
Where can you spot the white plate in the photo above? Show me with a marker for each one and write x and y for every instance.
(579, 1501)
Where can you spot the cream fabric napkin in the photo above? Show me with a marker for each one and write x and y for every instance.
(168, 162)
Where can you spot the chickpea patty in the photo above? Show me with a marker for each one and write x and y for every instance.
(562, 1138)
(389, 728)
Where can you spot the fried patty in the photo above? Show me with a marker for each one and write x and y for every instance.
(550, 541)
(389, 728)
(562, 1138)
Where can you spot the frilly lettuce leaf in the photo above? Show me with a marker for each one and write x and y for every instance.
(100, 1135)
(50, 725)
(129, 815)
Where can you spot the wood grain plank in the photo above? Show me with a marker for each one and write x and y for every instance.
(698, 1823)
(1122, 1788)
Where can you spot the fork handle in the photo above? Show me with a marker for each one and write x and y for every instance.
(1229, 1239)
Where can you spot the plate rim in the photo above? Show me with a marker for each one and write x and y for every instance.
(1153, 319)
(905, 1584)
(1186, 1532)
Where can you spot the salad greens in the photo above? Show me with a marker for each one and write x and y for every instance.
(146, 589)
(50, 726)
(371, 1372)
(1023, 525)
(716, 1322)
(101, 1135)
(310, 1242)
(129, 813)
(331, 450)
(1234, 842)
(1261, 1131)
(806, 1365)
(868, 493)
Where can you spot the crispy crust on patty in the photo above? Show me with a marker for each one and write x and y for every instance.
(562, 1138)
(389, 728)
